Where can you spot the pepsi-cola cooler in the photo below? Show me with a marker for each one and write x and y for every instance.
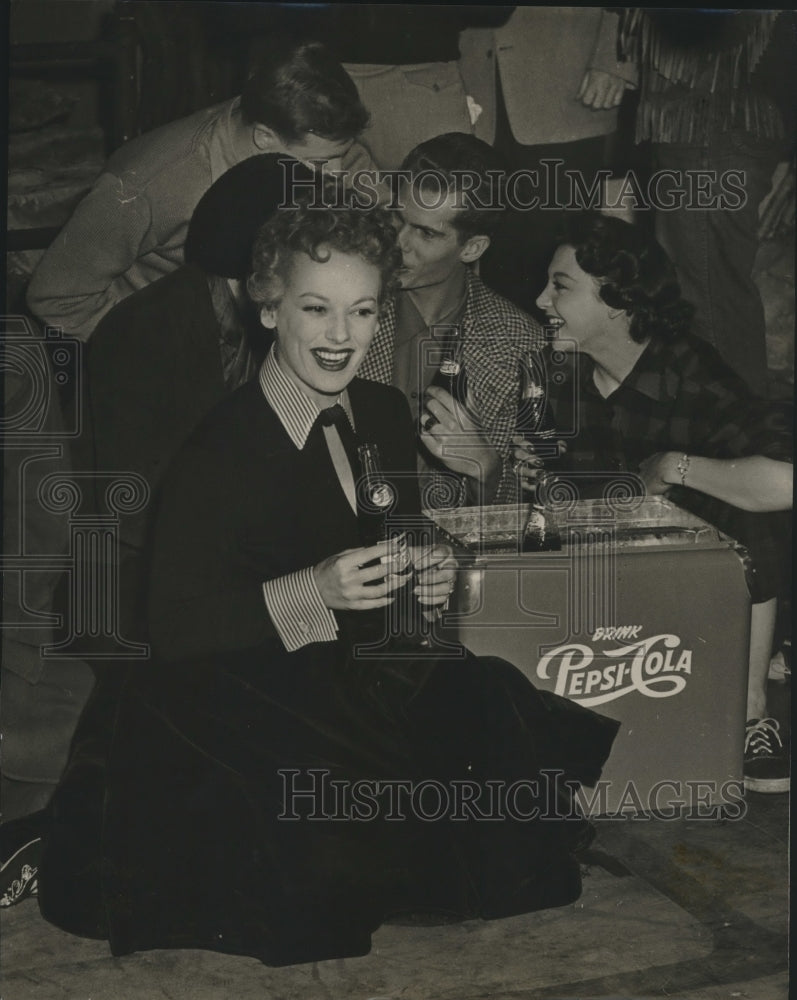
(634, 608)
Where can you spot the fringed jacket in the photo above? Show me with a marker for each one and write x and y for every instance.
(697, 73)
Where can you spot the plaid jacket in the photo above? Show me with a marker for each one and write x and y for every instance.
(496, 336)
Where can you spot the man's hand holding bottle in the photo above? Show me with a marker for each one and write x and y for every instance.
(458, 441)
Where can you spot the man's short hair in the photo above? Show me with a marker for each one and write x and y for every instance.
(470, 168)
(299, 88)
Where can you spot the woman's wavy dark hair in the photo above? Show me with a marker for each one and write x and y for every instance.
(316, 223)
(634, 272)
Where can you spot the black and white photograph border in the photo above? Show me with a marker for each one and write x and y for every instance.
(586, 220)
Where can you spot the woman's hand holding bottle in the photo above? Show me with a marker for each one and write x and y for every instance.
(362, 579)
(366, 578)
(435, 573)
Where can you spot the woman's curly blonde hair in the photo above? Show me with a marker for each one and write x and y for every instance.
(317, 223)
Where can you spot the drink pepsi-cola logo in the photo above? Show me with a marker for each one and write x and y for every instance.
(381, 495)
(449, 367)
(655, 667)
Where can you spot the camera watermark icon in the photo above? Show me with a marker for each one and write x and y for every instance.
(35, 369)
(58, 522)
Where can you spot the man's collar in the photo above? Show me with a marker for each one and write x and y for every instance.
(408, 316)
(477, 295)
(296, 412)
(452, 293)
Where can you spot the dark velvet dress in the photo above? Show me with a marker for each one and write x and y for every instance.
(180, 821)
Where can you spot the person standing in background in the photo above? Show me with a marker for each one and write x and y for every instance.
(403, 59)
(411, 80)
(548, 83)
(709, 102)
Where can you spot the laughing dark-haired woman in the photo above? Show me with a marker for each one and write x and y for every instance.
(655, 399)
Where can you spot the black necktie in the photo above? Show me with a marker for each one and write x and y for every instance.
(335, 416)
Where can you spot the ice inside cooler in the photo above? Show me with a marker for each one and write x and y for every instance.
(515, 528)
(637, 523)
(502, 528)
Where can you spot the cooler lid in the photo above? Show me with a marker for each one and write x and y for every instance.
(637, 522)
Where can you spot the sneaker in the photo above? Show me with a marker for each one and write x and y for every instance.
(18, 875)
(766, 762)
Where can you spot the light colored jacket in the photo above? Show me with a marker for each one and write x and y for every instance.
(130, 228)
(542, 54)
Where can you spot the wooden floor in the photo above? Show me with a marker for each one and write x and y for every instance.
(682, 908)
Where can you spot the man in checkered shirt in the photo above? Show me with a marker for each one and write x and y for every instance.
(449, 201)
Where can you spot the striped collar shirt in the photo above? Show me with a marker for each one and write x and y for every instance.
(296, 412)
(294, 601)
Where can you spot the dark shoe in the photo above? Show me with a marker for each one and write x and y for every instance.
(766, 762)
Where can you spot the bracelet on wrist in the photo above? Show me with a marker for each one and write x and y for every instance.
(682, 468)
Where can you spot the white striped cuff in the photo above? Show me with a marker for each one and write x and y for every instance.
(298, 610)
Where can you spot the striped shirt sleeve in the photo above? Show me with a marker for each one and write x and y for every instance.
(298, 610)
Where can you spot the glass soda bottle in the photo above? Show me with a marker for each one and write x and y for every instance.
(535, 420)
(451, 374)
(536, 424)
(376, 498)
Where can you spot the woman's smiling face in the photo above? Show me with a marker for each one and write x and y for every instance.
(572, 304)
(325, 322)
